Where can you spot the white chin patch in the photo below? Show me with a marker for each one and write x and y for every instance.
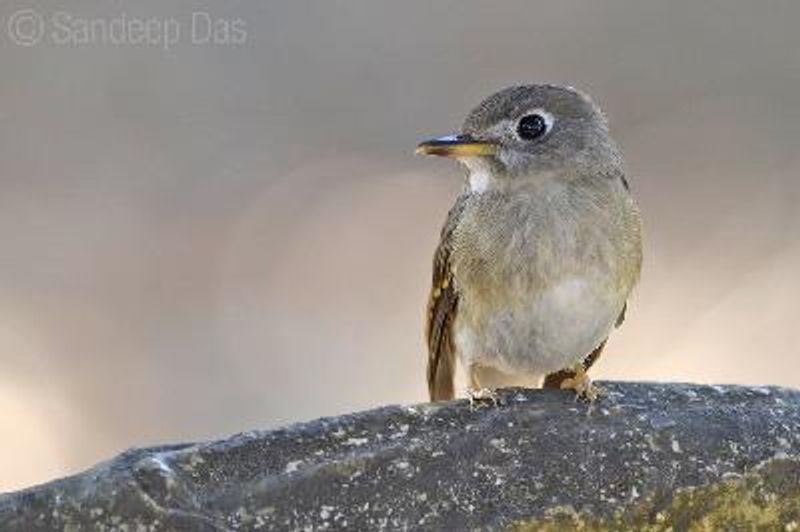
(480, 177)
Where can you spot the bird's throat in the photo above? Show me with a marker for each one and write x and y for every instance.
(479, 178)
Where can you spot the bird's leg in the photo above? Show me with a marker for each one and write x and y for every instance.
(476, 393)
(582, 384)
(554, 380)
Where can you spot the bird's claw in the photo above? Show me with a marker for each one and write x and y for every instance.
(583, 386)
(478, 396)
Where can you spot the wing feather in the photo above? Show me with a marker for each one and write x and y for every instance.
(442, 309)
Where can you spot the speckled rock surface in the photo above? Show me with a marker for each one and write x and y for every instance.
(647, 456)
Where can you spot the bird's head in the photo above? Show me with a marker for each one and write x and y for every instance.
(529, 132)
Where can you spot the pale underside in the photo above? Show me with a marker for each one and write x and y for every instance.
(542, 275)
(519, 343)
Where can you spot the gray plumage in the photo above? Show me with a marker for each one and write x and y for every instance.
(542, 249)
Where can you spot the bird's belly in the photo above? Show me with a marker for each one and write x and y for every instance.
(539, 333)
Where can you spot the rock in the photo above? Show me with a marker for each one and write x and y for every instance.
(646, 456)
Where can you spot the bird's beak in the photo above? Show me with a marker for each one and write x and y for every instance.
(456, 146)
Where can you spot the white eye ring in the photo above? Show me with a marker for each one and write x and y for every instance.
(547, 117)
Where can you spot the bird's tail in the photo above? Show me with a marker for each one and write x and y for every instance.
(441, 374)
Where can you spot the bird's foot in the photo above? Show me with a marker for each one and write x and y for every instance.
(478, 396)
(583, 385)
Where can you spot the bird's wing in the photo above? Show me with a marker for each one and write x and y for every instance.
(442, 308)
(621, 317)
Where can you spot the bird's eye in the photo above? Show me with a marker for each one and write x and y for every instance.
(531, 127)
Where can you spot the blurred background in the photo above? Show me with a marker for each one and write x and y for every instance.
(225, 228)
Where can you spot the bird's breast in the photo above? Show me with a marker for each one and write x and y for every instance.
(542, 275)
(524, 241)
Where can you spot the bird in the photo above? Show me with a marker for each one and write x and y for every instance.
(541, 250)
